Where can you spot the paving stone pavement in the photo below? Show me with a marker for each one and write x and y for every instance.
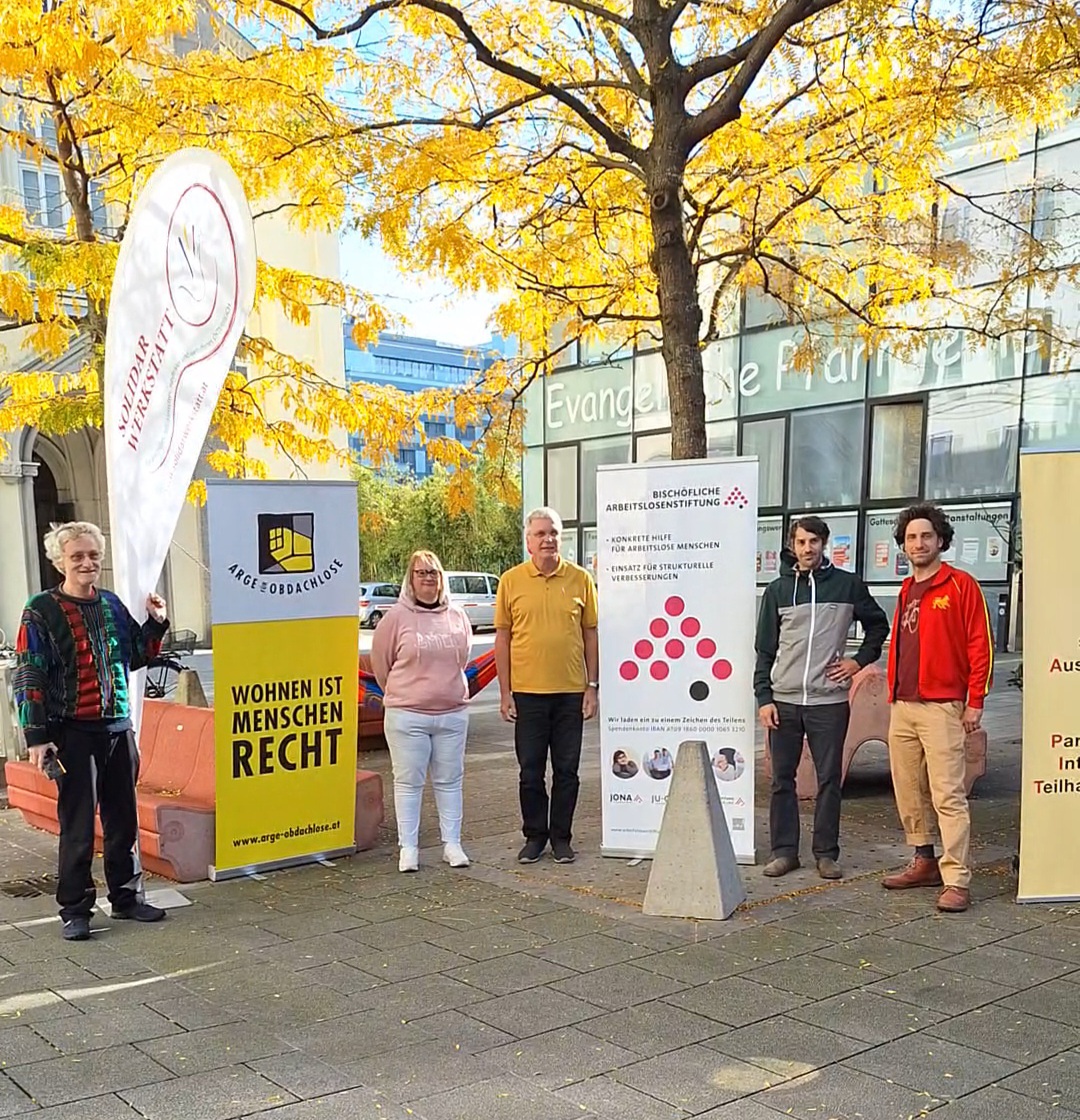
(543, 993)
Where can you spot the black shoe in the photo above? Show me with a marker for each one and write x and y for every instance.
(76, 929)
(562, 852)
(532, 851)
(140, 912)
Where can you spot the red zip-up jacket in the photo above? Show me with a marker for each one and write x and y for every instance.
(956, 648)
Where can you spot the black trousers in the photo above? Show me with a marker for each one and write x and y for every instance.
(548, 722)
(824, 727)
(102, 768)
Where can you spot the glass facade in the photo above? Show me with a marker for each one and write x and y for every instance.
(854, 435)
(411, 364)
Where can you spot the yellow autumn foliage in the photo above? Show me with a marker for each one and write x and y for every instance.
(631, 169)
(98, 94)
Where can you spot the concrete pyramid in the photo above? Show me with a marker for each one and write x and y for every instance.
(694, 873)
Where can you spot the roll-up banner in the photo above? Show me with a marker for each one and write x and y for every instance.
(284, 572)
(1050, 793)
(676, 584)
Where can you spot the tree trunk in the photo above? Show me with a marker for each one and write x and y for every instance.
(680, 317)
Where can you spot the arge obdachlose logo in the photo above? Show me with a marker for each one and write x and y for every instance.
(286, 543)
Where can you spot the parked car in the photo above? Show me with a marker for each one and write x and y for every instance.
(474, 592)
(375, 600)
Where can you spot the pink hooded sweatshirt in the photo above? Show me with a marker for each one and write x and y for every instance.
(419, 654)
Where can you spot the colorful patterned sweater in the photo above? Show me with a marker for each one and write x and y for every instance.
(73, 657)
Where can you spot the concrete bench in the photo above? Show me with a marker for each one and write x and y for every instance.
(869, 700)
(175, 793)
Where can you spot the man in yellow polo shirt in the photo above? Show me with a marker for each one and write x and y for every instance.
(546, 653)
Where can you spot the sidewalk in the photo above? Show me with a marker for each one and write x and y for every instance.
(543, 993)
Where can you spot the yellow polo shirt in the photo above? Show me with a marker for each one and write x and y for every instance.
(545, 616)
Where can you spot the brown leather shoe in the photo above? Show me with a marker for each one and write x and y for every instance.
(922, 871)
(954, 900)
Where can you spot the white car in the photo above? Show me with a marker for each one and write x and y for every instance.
(474, 592)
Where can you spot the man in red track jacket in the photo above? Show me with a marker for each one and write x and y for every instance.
(940, 670)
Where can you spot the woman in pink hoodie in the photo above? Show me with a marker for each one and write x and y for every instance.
(418, 656)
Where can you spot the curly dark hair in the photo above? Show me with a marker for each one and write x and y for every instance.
(809, 524)
(924, 511)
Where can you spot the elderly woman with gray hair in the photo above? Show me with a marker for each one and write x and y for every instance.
(418, 656)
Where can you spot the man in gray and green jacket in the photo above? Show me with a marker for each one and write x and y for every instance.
(801, 683)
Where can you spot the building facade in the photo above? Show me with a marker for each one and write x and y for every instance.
(411, 364)
(860, 435)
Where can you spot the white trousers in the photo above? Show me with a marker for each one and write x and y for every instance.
(419, 741)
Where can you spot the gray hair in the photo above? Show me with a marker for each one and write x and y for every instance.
(59, 535)
(543, 513)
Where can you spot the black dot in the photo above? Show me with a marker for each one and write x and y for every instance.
(699, 690)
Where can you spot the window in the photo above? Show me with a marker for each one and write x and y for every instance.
(770, 540)
(765, 439)
(883, 561)
(989, 213)
(896, 450)
(476, 585)
(843, 533)
(43, 197)
(826, 457)
(981, 539)
(651, 406)
(562, 478)
(456, 585)
(493, 582)
(532, 478)
(602, 347)
(653, 448)
(533, 402)
(722, 439)
(946, 358)
(594, 454)
(791, 368)
(972, 440)
(589, 551)
(1052, 412)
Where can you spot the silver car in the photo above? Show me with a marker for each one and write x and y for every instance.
(375, 600)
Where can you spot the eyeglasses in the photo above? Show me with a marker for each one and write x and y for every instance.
(425, 573)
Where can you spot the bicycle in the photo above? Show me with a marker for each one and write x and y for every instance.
(169, 663)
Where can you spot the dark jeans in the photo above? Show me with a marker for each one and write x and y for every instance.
(824, 727)
(548, 722)
(102, 768)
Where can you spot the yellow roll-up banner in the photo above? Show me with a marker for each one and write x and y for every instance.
(1050, 793)
(285, 728)
(284, 580)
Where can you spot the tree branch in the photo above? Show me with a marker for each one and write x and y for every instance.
(638, 86)
(488, 58)
(358, 24)
(597, 10)
(726, 107)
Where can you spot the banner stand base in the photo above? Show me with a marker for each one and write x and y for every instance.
(632, 853)
(1048, 899)
(220, 875)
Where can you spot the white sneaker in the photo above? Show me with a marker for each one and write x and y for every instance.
(454, 854)
(409, 860)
